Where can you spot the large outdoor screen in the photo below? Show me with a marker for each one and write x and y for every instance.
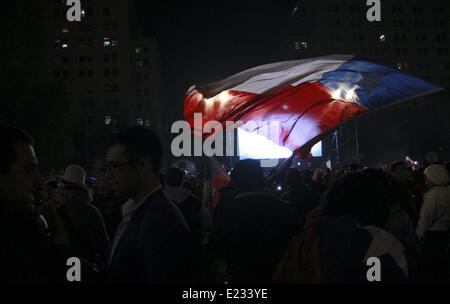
(256, 146)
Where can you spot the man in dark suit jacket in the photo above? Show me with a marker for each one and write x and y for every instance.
(152, 243)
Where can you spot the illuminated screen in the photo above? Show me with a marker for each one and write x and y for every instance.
(256, 146)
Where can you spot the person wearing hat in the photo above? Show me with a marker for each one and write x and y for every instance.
(434, 222)
(82, 220)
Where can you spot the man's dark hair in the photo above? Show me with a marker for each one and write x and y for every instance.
(174, 177)
(293, 178)
(140, 141)
(247, 175)
(359, 195)
(9, 136)
(398, 164)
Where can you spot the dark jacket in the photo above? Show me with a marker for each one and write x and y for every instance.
(26, 254)
(84, 224)
(251, 232)
(156, 246)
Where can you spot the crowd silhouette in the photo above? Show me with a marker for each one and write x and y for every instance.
(146, 224)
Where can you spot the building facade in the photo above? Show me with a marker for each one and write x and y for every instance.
(111, 72)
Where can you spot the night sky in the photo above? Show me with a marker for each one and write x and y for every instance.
(204, 41)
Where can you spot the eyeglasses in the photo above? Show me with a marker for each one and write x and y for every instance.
(111, 166)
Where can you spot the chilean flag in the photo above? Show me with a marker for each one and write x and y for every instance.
(307, 98)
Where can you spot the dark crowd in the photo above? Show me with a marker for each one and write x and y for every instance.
(140, 223)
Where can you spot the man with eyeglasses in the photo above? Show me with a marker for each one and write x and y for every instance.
(153, 242)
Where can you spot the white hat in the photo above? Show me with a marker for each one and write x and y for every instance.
(437, 174)
(74, 175)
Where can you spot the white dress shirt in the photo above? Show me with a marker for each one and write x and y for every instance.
(128, 210)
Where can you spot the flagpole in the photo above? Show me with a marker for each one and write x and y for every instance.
(337, 147)
(356, 141)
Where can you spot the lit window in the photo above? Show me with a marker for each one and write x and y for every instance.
(138, 49)
(382, 38)
(139, 63)
(107, 120)
(304, 44)
(114, 42)
(106, 42)
(65, 30)
(147, 123)
(140, 122)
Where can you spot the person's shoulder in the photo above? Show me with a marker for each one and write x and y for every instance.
(159, 205)
(159, 211)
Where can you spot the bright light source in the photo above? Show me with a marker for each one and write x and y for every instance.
(256, 146)
(382, 38)
(279, 188)
(224, 96)
(107, 120)
(83, 13)
(336, 94)
(350, 95)
(64, 45)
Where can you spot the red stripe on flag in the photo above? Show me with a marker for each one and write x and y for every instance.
(304, 112)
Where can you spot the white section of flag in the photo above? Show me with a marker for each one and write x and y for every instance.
(266, 77)
(307, 70)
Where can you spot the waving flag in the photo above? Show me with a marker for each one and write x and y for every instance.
(307, 98)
